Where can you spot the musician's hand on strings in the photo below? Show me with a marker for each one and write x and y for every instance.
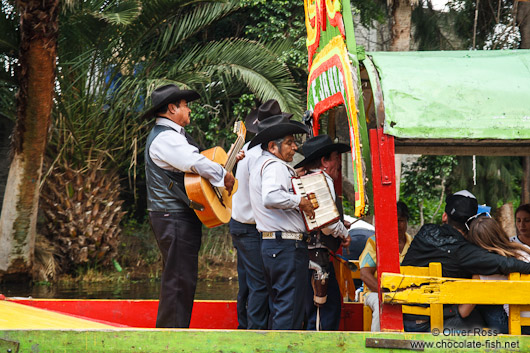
(307, 207)
(229, 182)
(240, 155)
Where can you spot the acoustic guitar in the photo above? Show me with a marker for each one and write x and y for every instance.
(216, 203)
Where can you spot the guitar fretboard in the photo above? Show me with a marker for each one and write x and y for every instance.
(232, 154)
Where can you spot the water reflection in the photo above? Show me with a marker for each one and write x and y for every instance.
(206, 290)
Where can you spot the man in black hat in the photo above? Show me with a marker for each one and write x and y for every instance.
(252, 297)
(279, 220)
(322, 155)
(459, 258)
(170, 152)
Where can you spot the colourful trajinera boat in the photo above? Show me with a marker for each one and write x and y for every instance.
(428, 103)
(50, 325)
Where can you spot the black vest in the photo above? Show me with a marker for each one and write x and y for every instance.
(161, 183)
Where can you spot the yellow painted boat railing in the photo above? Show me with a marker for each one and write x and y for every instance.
(347, 271)
(425, 285)
(415, 288)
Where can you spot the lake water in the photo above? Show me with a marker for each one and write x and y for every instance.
(206, 290)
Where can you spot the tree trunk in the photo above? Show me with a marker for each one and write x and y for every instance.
(38, 47)
(420, 206)
(401, 23)
(525, 190)
(6, 128)
(506, 219)
(523, 21)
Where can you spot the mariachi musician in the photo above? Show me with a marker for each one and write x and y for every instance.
(252, 297)
(169, 153)
(277, 214)
(322, 155)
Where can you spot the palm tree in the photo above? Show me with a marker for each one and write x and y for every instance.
(36, 76)
(111, 55)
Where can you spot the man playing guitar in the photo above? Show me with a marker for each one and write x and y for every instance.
(169, 153)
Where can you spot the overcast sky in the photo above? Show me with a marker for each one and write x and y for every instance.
(439, 4)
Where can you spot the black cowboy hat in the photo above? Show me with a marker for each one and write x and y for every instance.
(264, 111)
(164, 95)
(276, 127)
(320, 146)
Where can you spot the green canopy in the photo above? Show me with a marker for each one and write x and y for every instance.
(455, 94)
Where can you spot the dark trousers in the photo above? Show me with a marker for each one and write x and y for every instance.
(452, 320)
(286, 269)
(330, 311)
(251, 277)
(242, 292)
(178, 235)
(494, 316)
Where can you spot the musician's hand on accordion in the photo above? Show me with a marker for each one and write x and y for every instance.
(307, 207)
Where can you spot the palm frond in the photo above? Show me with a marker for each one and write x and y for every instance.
(256, 67)
(175, 25)
(120, 12)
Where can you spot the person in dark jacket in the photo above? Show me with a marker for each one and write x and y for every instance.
(459, 258)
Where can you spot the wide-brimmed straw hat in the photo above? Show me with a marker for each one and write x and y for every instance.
(276, 127)
(320, 146)
(169, 94)
(264, 111)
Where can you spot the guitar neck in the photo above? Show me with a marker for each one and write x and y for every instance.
(232, 154)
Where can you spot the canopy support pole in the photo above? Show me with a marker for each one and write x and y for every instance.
(385, 211)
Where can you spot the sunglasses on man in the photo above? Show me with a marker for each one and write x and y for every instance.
(472, 218)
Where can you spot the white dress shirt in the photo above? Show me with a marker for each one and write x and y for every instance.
(274, 204)
(170, 150)
(336, 229)
(241, 208)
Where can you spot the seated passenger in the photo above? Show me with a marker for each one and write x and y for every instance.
(522, 223)
(359, 232)
(368, 263)
(488, 234)
(459, 258)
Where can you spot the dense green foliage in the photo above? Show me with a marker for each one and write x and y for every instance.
(113, 53)
(494, 180)
(426, 182)
(495, 28)
(423, 187)
(433, 28)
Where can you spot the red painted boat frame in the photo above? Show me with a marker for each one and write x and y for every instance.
(142, 313)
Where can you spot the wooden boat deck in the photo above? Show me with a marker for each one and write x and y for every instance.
(21, 317)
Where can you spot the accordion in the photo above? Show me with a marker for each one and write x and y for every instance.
(315, 188)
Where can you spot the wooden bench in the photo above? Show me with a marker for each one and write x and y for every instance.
(345, 277)
(346, 272)
(437, 290)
